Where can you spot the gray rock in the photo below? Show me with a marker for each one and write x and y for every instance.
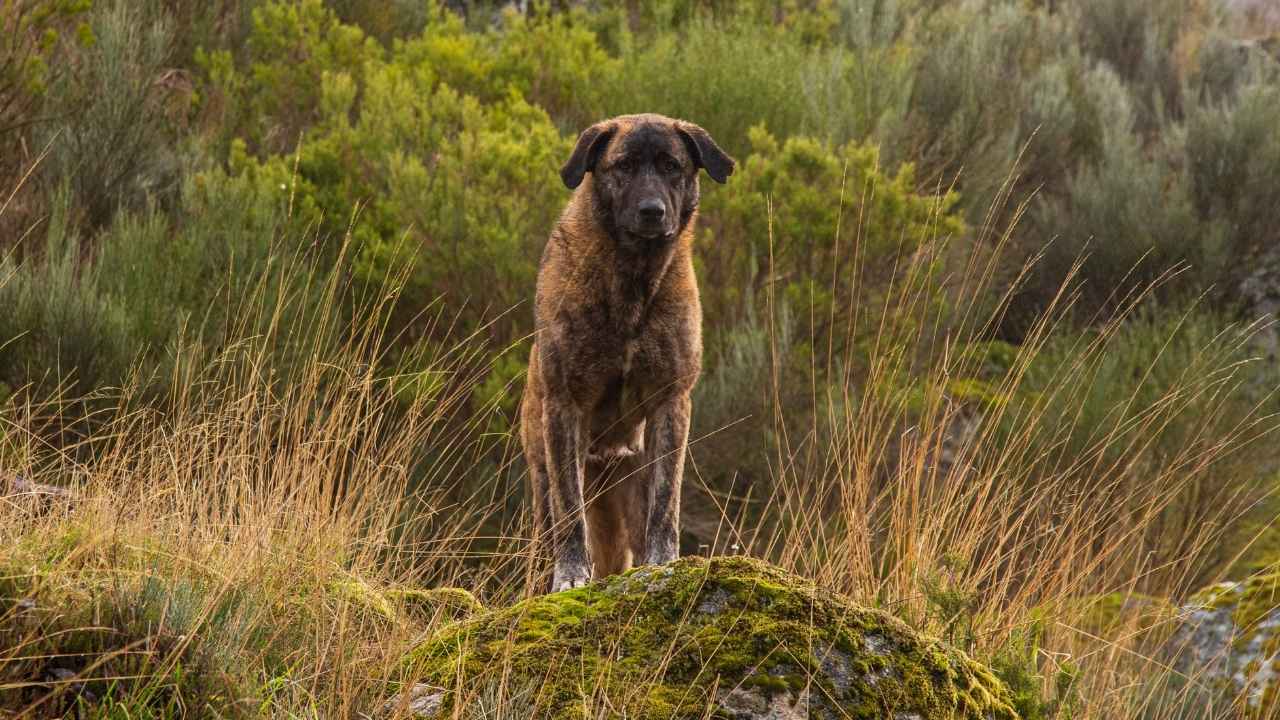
(1229, 638)
(420, 700)
(751, 704)
(18, 487)
(671, 641)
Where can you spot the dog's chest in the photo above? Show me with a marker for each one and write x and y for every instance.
(617, 418)
(626, 388)
(628, 357)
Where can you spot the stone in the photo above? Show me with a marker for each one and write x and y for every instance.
(729, 638)
(16, 486)
(1229, 639)
(419, 700)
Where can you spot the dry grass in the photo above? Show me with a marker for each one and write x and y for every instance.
(230, 552)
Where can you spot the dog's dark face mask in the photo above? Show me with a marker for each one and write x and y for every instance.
(645, 175)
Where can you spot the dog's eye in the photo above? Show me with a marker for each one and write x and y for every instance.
(670, 165)
(626, 165)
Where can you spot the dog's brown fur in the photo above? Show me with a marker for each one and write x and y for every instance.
(605, 416)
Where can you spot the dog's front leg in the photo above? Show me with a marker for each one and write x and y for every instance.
(565, 468)
(666, 434)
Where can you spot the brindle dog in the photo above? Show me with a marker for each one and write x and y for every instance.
(618, 348)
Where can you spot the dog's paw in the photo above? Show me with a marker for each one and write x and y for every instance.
(570, 577)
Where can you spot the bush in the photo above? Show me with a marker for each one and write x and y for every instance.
(836, 224)
(463, 200)
(59, 325)
(290, 48)
(1223, 64)
(1232, 152)
(1131, 222)
(966, 96)
(220, 269)
(824, 242)
(41, 38)
(1190, 367)
(1066, 109)
(111, 142)
(34, 58)
(1146, 42)
(792, 87)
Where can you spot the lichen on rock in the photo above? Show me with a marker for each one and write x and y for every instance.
(730, 638)
(1230, 639)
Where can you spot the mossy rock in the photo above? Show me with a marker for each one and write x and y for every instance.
(447, 603)
(1230, 640)
(359, 593)
(427, 605)
(729, 638)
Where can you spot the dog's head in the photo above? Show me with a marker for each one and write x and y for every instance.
(644, 171)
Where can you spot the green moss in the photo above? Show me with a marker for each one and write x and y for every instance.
(1251, 600)
(1259, 596)
(666, 642)
(450, 602)
(1251, 603)
(359, 593)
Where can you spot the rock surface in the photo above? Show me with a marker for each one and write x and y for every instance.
(1230, 639)
(729, 638)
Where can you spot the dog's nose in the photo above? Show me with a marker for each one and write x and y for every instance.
(652, 210)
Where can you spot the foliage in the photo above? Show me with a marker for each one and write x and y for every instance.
(1230, 151)
(414, 170)
(111, 148)
(1146, 43)
(1132, 220)
(33, 58)
(292, 47)
(966, 94)
(59, 323)
(1124, 372)
(838, 225)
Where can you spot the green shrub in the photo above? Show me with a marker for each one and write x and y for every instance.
(59, 325)
(1118, 379)
(1223, 64)
(291, 48)
(792, 87)
(815, 224)
(1131, 221)
(967, 93)
(1232, 155)
(802, 259)
(458, 190)
(220, 269)
(386, 21)
(813, 21)
(33, 57)
(1144, 42)
(401, 156)
(1066, 108)
(555, 62)
(111, 144)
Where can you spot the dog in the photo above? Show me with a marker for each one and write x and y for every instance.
(617, 348)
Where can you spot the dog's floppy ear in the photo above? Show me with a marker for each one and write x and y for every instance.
(705, 152)
(591, 145)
